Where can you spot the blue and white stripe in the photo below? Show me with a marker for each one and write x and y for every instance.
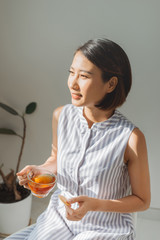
(90, 162)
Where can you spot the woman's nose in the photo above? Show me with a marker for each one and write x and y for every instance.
(73, 82)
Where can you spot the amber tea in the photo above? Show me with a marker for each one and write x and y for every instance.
(41, 184)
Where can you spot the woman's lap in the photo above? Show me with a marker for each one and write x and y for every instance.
(22, 234)
(61, 233)
(44, 230)
(51, 226)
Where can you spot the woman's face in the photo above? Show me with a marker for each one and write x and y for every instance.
(85, 82)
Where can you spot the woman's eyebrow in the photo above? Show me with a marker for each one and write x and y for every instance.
(86, 72)
(83, 71)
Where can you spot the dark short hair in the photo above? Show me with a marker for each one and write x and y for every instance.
(111, 59)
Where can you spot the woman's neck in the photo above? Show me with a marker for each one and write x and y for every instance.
(93, 115)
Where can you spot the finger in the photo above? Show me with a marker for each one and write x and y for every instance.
(69, 210)
(23, 181)
(26, 186)
(73, 218)
(23, 177)
(76, 199)
(24, 171)
(64, 200)
(77, 213)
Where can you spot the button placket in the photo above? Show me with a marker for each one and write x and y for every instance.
(85, 140)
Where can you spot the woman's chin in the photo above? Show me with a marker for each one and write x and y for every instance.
(77, 103)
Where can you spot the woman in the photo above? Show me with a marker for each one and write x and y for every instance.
(99, 156)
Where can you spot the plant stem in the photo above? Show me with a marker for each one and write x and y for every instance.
(19, 136)
(22, 145)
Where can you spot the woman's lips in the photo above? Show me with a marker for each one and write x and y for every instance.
(76, 96)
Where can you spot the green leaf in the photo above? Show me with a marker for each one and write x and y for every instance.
(7, 131)
(31, 108)
(8, 109)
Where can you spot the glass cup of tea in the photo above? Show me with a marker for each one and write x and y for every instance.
(41, 184)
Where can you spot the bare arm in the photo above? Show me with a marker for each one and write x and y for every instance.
(136, 157)
(51, 162)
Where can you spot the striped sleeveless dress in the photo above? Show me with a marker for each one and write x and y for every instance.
(90, 162)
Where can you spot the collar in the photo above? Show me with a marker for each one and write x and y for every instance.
(110, 122)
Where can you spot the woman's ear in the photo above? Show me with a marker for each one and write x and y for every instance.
(111, 84)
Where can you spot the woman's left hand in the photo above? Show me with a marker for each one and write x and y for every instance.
(85, 204)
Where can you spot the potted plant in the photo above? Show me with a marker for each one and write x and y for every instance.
(14, 199)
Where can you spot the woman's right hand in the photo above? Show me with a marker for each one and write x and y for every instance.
(22, 175)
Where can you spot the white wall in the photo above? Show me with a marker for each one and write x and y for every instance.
(37, 41)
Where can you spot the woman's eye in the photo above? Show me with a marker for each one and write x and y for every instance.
(84, 76)
(71, 72)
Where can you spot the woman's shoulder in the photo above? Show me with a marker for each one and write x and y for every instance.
(57, 112)
(136, 137)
